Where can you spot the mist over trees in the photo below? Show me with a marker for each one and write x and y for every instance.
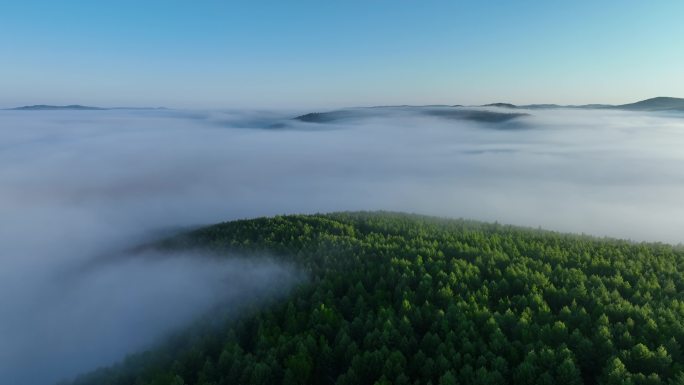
(80, 184)
(406, 299)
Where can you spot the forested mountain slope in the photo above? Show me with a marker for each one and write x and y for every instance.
(405, 299)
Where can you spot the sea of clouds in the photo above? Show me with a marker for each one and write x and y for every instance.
(76, 185)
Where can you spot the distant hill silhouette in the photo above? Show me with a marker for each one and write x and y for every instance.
(503, 105)
(43, 107)
(444, 112)
(482, 116)
(661, 103)
(78, 107)
(327, 117)
(654, 104)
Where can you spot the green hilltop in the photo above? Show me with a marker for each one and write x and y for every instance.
(406, 299)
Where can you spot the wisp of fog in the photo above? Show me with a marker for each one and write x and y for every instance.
(76, 185)
(80, 317)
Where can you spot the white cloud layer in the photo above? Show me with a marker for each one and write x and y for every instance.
(77, 184)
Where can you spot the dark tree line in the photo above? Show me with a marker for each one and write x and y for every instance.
(406, 299)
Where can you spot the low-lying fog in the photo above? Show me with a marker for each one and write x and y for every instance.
(75, 185)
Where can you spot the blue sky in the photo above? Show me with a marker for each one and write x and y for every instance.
(265, 54)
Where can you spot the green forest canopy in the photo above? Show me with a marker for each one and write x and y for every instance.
(407, 299)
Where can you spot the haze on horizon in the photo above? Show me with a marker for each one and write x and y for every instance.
(311, 54)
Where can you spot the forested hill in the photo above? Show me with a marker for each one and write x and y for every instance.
(404, 299)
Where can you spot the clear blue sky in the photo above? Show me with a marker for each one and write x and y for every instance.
(297, 53)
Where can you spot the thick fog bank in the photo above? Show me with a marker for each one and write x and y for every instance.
(78, 184)
(68, 320)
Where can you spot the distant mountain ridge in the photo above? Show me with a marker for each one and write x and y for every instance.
(474, 113)
(443, 112)
(504, 105)
(661, 103)
(77, 107)
(46, 107)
